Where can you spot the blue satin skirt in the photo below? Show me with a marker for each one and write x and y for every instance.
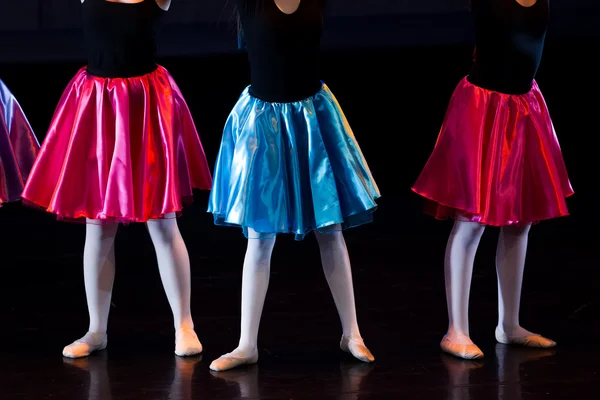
(291, 168)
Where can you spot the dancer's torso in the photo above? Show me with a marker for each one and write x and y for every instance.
(283, 49)
(120, 37)
(509, 44)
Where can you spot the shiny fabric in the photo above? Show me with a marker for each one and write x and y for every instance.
(18, 147)
(119, 150)
(291, 168)
(497, 160)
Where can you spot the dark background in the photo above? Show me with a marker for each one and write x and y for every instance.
(393, 72)
(48, 30)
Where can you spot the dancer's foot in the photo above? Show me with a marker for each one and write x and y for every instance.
(83, 347)
(508, 356)
(461, 346)
(187, 343)
(522, 337)
(357, 348)
(236, 358)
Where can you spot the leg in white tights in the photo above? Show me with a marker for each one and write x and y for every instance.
(510, 263)
(174, 267)
(99, 275)
(458, 268)
(255, 282)
(337, 269)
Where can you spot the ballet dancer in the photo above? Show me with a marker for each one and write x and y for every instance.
(122, 147)
(497, 162)
(289, 163)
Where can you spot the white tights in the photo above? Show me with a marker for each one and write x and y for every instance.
(255, 282)
(510, 262)
(99, 275)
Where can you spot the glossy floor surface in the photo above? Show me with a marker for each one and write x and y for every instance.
(401, 308)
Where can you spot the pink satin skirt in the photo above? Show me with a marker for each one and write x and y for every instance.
(497, 160)
(18, 147)
(119, 150)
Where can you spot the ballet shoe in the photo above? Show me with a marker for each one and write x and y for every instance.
(531, 340)
(507, 353)
(187, 343)
(85, 346)
(357, 348)
(233, 360)
(464, 351)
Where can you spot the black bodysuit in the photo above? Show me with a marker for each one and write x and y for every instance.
(283, 50)
(120, 37)
(509, 44)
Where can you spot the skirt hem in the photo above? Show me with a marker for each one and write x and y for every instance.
(449, 212)
(101, 218)
(348, 222)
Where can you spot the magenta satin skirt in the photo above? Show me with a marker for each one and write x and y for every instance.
(497, 160)
(119, 150)
(18, 147)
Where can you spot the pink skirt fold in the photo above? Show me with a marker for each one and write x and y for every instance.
(119, 150)
(497, 160)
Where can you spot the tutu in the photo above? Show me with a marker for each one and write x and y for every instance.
(18, 147)
(119, 150)
(497, 160)
(291, 168)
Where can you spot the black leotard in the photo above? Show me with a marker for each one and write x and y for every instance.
(120, 37)
(509, 44)
(283, 49)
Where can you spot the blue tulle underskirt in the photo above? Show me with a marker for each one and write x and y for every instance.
(291, 168)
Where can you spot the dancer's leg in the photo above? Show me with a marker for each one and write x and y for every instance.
(99, 276)
(255, 282)
(174, 267)
(510, 264)
(460, 257)
(336, 265)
